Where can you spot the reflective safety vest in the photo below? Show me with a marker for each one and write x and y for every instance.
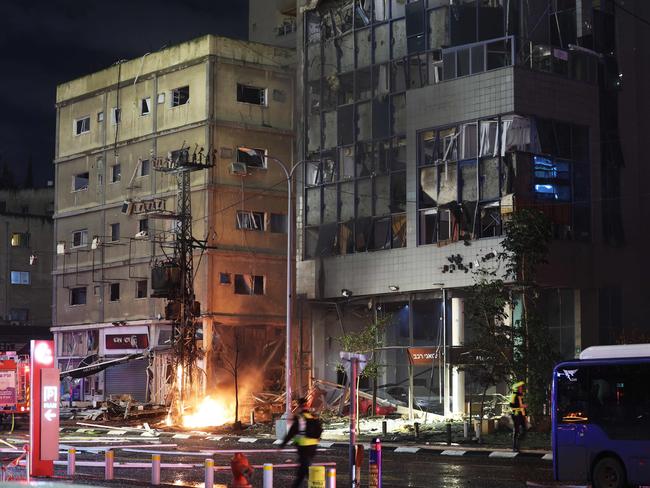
(301, 438)
(517, 404)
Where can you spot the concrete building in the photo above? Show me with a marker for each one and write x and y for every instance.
(26, 264)
(203, 100)
(272, 22)
(433, 120)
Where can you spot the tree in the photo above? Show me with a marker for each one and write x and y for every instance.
(229, 355)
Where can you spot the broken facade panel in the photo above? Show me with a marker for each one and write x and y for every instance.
(382, 192)
(345, 52)
(364, 121)
(347, 162)
(363, 48)
(330, 132)
(330, 204)
(398, 113)
(382, 43)
(398, 29)
(347, 201)
(313, 205)
(439, 28)
(364, 197)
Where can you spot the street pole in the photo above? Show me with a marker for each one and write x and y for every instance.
(354, 365)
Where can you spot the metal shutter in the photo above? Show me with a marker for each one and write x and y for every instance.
(128, 378)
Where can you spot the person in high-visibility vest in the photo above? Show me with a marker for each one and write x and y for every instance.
(518, 414)
(305, 431)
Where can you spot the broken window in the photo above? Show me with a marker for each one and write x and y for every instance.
(249, 285)
(380, 9)
(362, 233)
(399, 38)
(326, 243)
(381, 234)
(363, 48)
(364, 158)
(180, 96)
(398, 223)
(444, 225)
(398, 113)
(382, 43)
(490, 220)
(469, 141)
(115, 292)
(330, 63)
(313, 132)
(20, 239)
(346, 239)
(398, 75)
(115, 232)
(347, 162)
(364, 197)
(313, 97)
(250, 220)
(417, 71)
(380, 118)
(382, 157)
(447, 183)
(415, 30)
(364, 85)
(345, 49)
(80, 181)
(313, 22)
(428, 193)
(347, 201)
(252, 157)
(311, 239)
(381, 80)
(468, 182)
(82, 125)
(330, 132)
(382, 195)
(426, 146)
(428, 226)
(145, 106)
(439, 28)
(463, 23)
(313, 205)
(499, 54)
(327, 169)
(78, 296)
(345, 125)
(116, 173)
(141, 289)
(489, 179)
(364, 121)
(330, 204)
(345, 88)
(489, 130)
(250, 94)
(361, 13)
(398, 153)
(144, 167)
(398, 192)
(447, 147)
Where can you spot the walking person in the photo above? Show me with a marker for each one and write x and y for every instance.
(305, 431)
(518, 414)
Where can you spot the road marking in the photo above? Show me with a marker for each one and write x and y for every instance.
(453, 452)
(503, 454)
(277, 442)
(324, 444)
(116, 432)
(215, 438)
(248, 440)
(411, 450)
(181, 436)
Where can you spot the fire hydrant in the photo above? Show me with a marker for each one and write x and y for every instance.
(241, 471)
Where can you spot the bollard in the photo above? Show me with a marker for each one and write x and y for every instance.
(316, 477)
(417, 429)
(267, 479)
(448, 433)
(330, 479)
(209, 473)
(109, 457)
(72, 456)
(384, 428)
(374, 461)
(465, 429)
(155, 469)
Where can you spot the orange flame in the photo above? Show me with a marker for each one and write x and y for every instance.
(210, 412)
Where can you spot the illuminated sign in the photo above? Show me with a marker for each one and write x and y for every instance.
(422, 355)
(43, 353)
(127, 341)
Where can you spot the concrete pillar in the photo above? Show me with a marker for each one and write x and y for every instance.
(457, 339)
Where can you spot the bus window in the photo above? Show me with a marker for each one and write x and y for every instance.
(573, 395)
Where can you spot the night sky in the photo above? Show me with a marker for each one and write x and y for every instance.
(46, 42)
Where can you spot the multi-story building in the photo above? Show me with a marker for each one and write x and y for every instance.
(206, 100)
(272, 22)
(26, 263)
(432, 121)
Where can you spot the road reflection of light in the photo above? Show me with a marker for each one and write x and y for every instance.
(190, 484)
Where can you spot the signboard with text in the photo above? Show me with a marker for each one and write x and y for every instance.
(422, 356)
(44, 418)
(127, 341)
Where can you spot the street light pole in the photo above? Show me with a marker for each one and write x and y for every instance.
(288, 172)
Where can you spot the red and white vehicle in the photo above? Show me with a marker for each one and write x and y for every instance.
(14, 384)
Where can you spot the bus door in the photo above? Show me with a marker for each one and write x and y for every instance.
(571, 417)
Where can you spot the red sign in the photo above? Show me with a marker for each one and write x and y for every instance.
(127, 341)
(44, 418)
(422, 356)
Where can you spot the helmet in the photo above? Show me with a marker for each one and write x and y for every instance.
(516, 385)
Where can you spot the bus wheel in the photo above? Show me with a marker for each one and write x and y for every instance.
(608, 473)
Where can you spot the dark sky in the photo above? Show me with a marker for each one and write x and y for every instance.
(46, 42)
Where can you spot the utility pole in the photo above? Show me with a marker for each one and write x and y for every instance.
(182, 299)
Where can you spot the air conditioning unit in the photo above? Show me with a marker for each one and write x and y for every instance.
(142, 234)
(95, 243)
(238, 169)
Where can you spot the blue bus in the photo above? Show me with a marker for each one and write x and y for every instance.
(601, 417)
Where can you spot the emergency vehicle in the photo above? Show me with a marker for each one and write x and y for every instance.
(14, 384)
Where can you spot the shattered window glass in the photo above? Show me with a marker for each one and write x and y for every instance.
(397, 8)
(398, 192)
(447, 183)
(380, 118)
(381, 238)
(444, 225)
(488, 137)
(489, 178)
(345, 88)
(447, 147)
(398, 230)
(346, 52)
(311, 239)
(346, 238)
(382, 163)
(330, 204)
(347, 201)
(364, 158)
(469, 142)
(398, 76)
(347, 162)
(363, 48)
(468, 182)
(398, 158)
(427, 142)
(490, 215)
(382, 43)
(330, 64)
(364, 197)
(364, 85)
(345, 125)
(381, 80)
(328, 168)
(362, 233)
(428, 186)
(380, 9)
(364, 121)
(329, 129)
(398, 103)
(428, 226)
(313, 96)
(313, 205)
(313, 27)
(382, 195)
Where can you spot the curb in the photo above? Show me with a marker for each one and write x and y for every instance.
(436, 450)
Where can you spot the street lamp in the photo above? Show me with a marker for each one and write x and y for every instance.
(288, 172)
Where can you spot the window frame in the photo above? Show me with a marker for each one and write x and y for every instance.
(78, 290)
(17, 278)
(138, 284)
(74, 182)
(116, 177)
(115, 236)
(176, 99)
(114, 292)
(250, 216)
(145, 103)
(79, 129)
(23, 239)
(84, 238)
(262, 92)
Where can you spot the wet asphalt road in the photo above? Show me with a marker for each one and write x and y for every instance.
(420, 470)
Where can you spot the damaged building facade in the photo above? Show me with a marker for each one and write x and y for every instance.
(205, 101)
(432, 120)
